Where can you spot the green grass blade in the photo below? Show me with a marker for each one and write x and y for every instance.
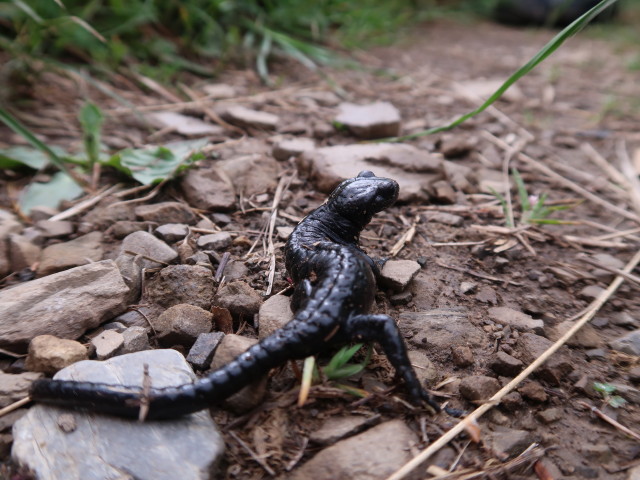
(91, 119)
(538, 58)
(339, 360)
(504, 205)
(13, 123)
(522, 190)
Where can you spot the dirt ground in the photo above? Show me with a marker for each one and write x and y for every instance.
(582, 99)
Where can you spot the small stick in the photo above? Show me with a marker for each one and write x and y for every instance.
(405, 238)
(14, 406)
(613, 173)
(498, 396)
(617, 271)
(592, 242)
(478, 274)
(89, 202)
(630, 173)
(610, 420)
(298, 456)
(253, 455)
(145, 397)
(221, 266)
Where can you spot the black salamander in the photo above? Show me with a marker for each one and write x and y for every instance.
(334, 291)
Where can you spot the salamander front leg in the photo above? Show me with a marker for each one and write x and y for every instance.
(383, 329)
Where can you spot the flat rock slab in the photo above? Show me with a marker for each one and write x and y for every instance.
(375, 120)
(413, 169)
(64, 304)
(99, 447)
(515, 319)
(441, 328)
(63, 256)
(374, 454)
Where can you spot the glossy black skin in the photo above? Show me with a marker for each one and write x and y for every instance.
(334, 291)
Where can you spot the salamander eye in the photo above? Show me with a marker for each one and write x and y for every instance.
(366, 174)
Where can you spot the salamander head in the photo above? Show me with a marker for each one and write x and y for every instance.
(360, 198)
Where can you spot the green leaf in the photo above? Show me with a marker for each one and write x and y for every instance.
(606, 388)
(616, 401)
(345, 371)
(91, 119)
(154, 164)
(16, 157)
(503, 204)
(20, 129)
(340, 359)
(538, 58)
(522, 190)
(50, 194)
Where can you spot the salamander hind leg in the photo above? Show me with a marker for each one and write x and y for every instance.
(383, 329)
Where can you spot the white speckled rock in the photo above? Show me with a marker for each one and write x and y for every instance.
(56, 443)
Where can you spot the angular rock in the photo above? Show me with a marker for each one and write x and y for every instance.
(130, 267)
(387, 448)
(105, 215)
(624, 319)
(586, 337)
(250, 396)
(444, 218)
(292, 147)
(181, 325)
(177, 284)
(478, 387)
(252, 174)
(15, 387)
(144, 243)
(273, 314)
(55, 228)
(533, 391)
(203, 349)
(184, 124)
(246, 117)
(590, 292)
(123, 228)
(462, 356)
(556, 368)
(375, 120)
(209, 189)
(606, 260)
(506, 365)
(457, 146)
(48, 354)
(396, 274)
(239, 298)
(101, 447)
(442, 191)
(515, 319)
(425, 369)
(334, 429)
(172, 232)
(550, 415)
(64, 304)
(467, 287)
(402, 298)
(508, 443)
(440, 329)
(107, 344)
(138, 317)
(63, 256)
(136, 339)
(413, 169)
(629, 343)
(487, 294)
(215, 241)
(166, 212)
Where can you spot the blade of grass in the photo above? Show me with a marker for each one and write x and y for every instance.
(538, 58)
(13, 123)
(522, 190)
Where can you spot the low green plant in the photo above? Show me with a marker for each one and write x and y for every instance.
(606, 390)
(147, 165)
(533, 210)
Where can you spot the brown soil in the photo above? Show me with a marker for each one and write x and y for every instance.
(581, 95)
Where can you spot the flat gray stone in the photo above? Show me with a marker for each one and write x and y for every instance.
(415, 170)
(629, 343)
(65, 304)
(515, 319)
(136, 339)
(440, 329)
(107, 344)
(209, 189)
(166, 212)
(172, 232)
(274, 314)
(396, 274)
(143, 243)
(203, 349)
(246, 117)
(252, 174)
(62, 256)
(239, 298)
(215, 241)
(375, 120)
(371, 455)
(292, 147)
(14, 387)
(181, 325)
(99, 447)
(334, 429)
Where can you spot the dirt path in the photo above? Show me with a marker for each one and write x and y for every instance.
(517, 289)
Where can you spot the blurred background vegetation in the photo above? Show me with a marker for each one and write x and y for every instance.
(161, 38)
